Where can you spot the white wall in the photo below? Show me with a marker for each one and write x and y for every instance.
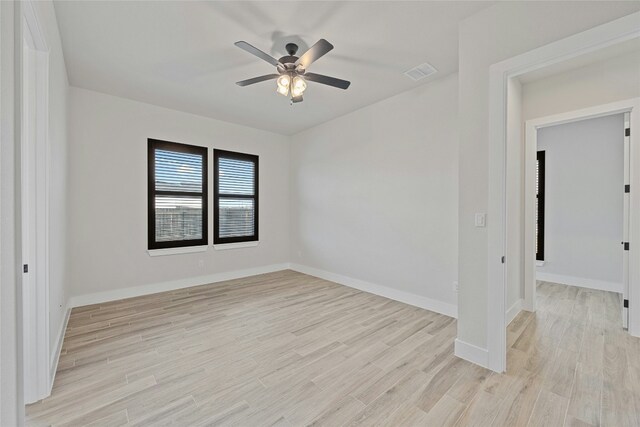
(486, 38)
(584, 202)
(108, 193)
(58, 143)
(374, 193)
(614, 79)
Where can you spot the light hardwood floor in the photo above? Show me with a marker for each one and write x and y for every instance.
(289, 349)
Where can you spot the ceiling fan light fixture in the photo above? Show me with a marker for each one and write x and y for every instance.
(298, 87)
(284, 80)
(283, 90)
(283, 84)
(290, 80)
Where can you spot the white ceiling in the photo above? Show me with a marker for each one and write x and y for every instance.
(181, 55)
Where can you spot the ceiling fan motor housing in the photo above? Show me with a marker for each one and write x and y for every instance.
(289, 61)
(291, 48)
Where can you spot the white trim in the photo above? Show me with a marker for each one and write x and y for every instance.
(531, 143)
(514, 310)
(225, 246)
(55, 355)
(583, 114)
(617, 31)
(496, 239)
(32, 27)
(472, 353)
(383, 291)
(35, 204)
(581, 282)
(11, 322)
(154, 288)
(177, 251)
(626, 277)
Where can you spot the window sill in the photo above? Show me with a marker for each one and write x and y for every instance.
(225, 246)
(177, 251)
(539, 263)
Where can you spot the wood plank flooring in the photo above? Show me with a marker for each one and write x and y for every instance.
(288, 349)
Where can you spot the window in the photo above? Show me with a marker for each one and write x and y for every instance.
(177, 195)
(540, 206)
(235, 197)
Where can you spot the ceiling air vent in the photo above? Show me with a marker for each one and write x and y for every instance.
(420, 72)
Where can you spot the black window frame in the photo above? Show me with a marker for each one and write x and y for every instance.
(152, 145)
(540, 158)
(217, 154)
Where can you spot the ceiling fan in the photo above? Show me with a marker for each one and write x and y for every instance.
(292, 74)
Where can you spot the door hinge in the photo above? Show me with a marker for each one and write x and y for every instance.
(503, 259)
(625, 303)
(627, 132)
(626, 245)
(627, 188)
(25, 268)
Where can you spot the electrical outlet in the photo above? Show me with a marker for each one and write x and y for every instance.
(455, 286)
(201, 263)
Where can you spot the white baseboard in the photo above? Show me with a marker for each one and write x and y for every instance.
(384, 291)
(472, 353)
(601, 285)
(154, 288)
(55, 354)
(514, 310)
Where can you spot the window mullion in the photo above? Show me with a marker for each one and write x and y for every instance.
(178, 193)
(236, 196)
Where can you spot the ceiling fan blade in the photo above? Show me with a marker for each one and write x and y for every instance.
(326, 80)
(315, 52)
(257, 79)
(257, 52)
(296, 99)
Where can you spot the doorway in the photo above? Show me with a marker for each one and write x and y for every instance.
(502, 74)
(601, 231)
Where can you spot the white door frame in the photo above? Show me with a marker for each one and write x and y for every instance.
(11, 381)
(531, 144)
(614, 32)
(35, 207)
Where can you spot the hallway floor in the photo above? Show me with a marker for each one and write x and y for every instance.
(574, 354)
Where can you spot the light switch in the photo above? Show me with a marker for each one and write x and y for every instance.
(481, 219)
